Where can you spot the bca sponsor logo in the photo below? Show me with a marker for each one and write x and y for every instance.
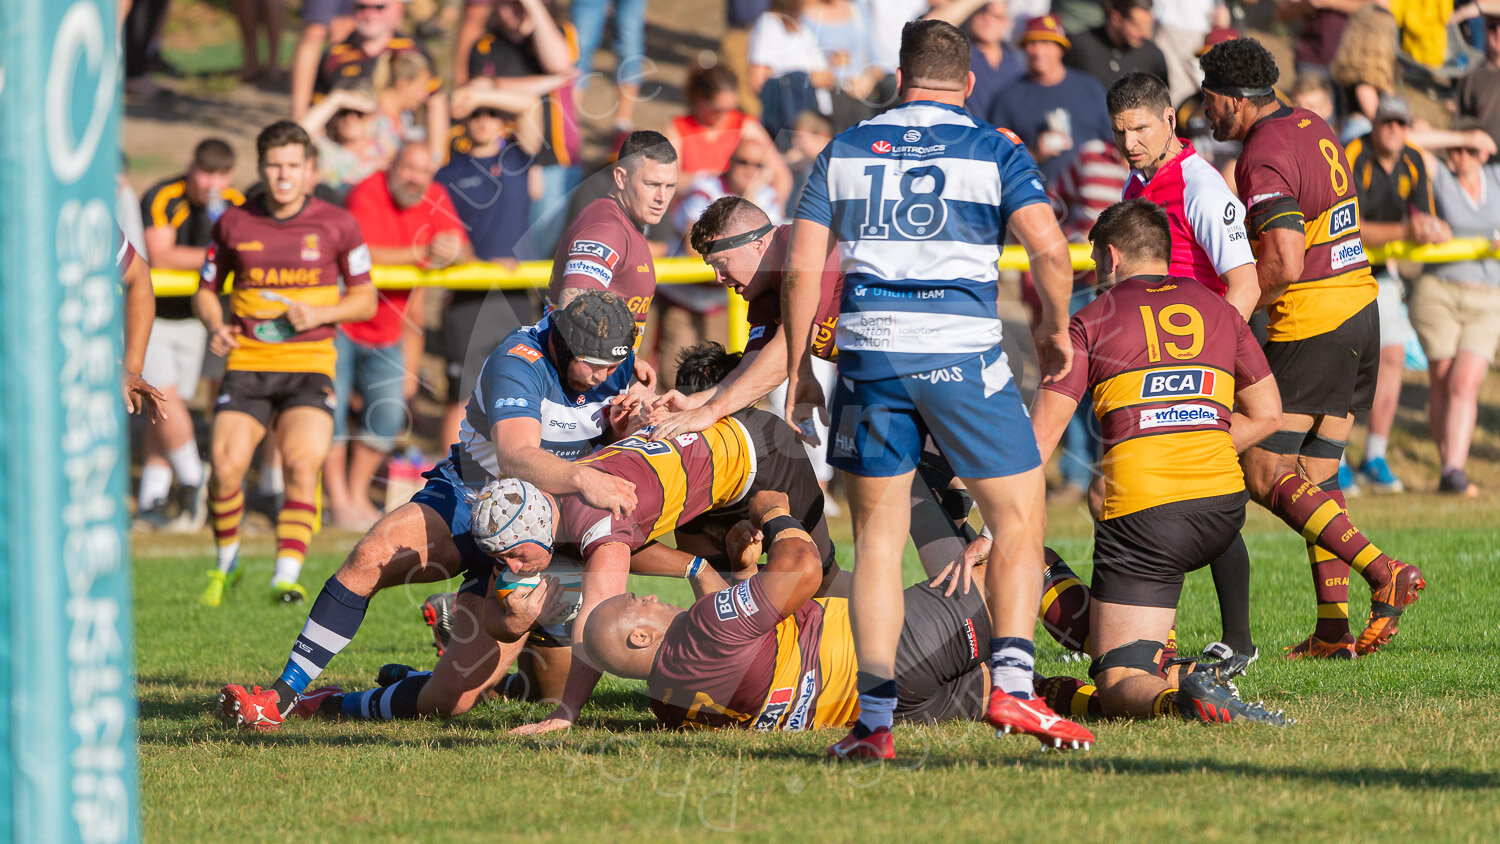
(777, 703)
(1179, 414)
(881, 147)
(807, 691)
(724, 605)
(596, 250)
(1344, 218)
(594, 270)
(1347, 254)
(911, 136)
(1177, 382)
(742, 597)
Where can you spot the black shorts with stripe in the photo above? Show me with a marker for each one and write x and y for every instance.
(1140, 558)
(940, 658)
(1330, 374)
(262, 395)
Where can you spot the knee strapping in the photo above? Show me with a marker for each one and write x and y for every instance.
(1323, 448)
(1143, 654)
(1284, 442)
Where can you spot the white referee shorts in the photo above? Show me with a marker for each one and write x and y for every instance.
(174, 355)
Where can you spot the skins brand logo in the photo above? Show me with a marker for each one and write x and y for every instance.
(1164, 383)
(596, 250)
(777, 703)
(880, 147)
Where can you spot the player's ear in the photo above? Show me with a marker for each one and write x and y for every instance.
(622, 176)
(642, 636)
(969, 86)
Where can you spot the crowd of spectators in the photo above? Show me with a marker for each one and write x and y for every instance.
(484, 158)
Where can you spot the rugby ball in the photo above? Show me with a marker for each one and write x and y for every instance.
(570, 577)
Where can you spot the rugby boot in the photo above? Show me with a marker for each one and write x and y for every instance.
(1377, 475)
(307, 705)
(437, 613)
(259, 709)
(880, 744)
(1314, 648)
(288, 593)
(1207, 697)
(1008, 713)
(218, 583)
(1386, 604)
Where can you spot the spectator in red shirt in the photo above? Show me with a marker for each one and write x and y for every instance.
(406, 219)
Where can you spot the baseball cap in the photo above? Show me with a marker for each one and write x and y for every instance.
(596, 327)
(1392, 107)
(1219, 35)
(1046, 28)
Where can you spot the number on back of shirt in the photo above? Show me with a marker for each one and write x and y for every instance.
(918, 214)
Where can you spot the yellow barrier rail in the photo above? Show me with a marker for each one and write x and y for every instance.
(536, 274)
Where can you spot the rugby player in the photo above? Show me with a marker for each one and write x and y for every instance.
(918, 201)
(748, 255)
(765, 654)
(604, 248)
(1208, 244)
(1322, 338)
(543, 398)
(287, 252)
(1180, 387)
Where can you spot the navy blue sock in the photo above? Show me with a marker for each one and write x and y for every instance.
(334, 619)
(383, 703)
(877, 700)
(1012, 664)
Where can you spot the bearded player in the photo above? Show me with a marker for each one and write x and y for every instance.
(1322, 340)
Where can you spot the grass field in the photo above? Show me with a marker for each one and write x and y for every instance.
(1400, 744)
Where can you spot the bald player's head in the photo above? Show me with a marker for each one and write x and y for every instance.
(625, 632)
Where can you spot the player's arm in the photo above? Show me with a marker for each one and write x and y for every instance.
(519, 453)
(547, 39)
(1035, 227)
(1217, 219)
(1049, 418)
(657, 560)
(1281, 254)
(584, 267)
(794, 569)
(1257, 413)
(605, 571)
(140, 311)
(758, 373)
(811, 244)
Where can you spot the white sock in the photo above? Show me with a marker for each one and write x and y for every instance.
(188, 465)
(288, 569)
(271, 481)
(1375, 447)
(156, 483)
(229, 556)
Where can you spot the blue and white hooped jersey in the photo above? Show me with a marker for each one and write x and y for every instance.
(919, 199)
(519, 380)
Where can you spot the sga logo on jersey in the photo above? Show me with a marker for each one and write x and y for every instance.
(1173, 383)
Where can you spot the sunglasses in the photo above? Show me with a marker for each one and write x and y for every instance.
(743, 162)
(368, 7)
(485, 111)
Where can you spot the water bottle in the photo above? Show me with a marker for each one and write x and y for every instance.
(215, 208)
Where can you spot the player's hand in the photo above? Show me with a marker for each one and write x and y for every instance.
(523, 606)
(224, 340)
(550, 724)
(626, 414)
(674, 401)
(607, 492)
(743, 543)
(961, 570)
(687, 422)
(303, 316)
(1055, 354)
(804, 402)
(141, 397)
(645, 373)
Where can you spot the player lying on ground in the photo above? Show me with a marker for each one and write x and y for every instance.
(704, 478)
(1180, 388)
(543, 397)
(765, 654)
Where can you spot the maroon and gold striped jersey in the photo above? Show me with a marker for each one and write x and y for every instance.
(731, 660)
(1162, 357)
(1293, 174)
(276, 262)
